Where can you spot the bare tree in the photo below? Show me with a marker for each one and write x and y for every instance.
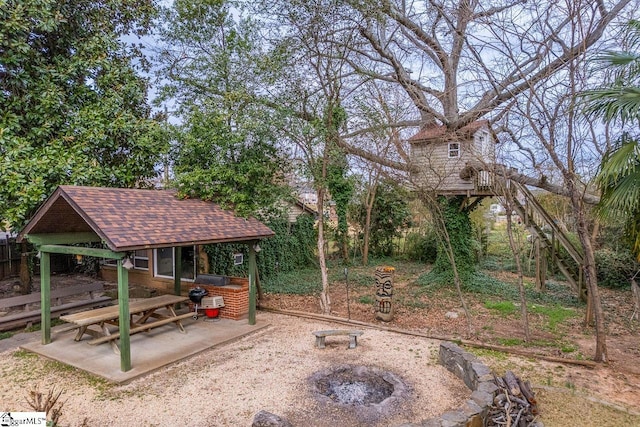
(550, 112)
(457, 62)
(516, 249)
(316, 73)
(475, 61)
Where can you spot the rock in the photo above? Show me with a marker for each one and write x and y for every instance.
(267, 419)
(451, 315)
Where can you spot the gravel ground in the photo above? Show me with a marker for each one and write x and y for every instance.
(226, 386)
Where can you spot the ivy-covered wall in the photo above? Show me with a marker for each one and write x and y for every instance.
(291, 248)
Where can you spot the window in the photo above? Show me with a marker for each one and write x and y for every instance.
(481, 137)
(164, 261)
(141, 260)
(454, 150)
(110, 261)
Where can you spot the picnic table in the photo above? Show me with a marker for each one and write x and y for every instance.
(140, 311)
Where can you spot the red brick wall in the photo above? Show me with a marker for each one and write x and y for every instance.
(235, 296)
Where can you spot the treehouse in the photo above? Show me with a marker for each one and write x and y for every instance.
(454, 163)
(463, 163)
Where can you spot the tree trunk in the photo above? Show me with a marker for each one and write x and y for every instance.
(345, 248)
(516, 255)
(590, 277)
(25, 271)
(635, 291)
(365, 244)
(367, 222)
(325, 302)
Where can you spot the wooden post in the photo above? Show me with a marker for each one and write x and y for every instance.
(25, 274)
(555, 248)
(177, 270)
(589, 315)
(124, 321)
(45, 297)
(252, 282)
(541, 266)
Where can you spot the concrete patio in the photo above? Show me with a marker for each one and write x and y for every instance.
(150, 351)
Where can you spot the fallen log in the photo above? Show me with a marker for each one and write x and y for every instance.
(512, 382)
(527, 392)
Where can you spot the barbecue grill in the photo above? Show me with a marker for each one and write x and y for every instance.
(195, 295)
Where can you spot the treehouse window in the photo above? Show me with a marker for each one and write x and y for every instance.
(454, 150)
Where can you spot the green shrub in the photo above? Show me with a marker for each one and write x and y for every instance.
(615, 268)
(422, 247)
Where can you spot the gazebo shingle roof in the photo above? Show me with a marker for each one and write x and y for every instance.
(127, 219)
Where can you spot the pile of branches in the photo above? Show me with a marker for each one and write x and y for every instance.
(514, 404)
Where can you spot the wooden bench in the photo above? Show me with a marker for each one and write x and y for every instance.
(353, 336)
(140, 312)
(29, 315)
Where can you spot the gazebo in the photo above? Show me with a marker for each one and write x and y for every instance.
(125, 220)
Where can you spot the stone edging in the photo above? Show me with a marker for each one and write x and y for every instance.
(478, 377)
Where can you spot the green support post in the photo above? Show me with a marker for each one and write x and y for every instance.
(177, 271)
(125, 319)
(45, 296)
(252, 283)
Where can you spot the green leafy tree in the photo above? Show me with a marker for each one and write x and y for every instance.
(389, 216)
(619, 180)
(225, 148)
(236, 166)
(73, 106)
(618, 101)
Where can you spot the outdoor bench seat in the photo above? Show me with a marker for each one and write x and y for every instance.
(29, 315)
(353, 336)
(146, 327)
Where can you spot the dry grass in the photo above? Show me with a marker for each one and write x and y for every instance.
(564, 407)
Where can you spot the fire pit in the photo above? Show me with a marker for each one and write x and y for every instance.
(371, 392)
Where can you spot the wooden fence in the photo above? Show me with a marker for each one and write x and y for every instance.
(9, 258)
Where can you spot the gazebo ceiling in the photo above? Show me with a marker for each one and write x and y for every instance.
(128, 219)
